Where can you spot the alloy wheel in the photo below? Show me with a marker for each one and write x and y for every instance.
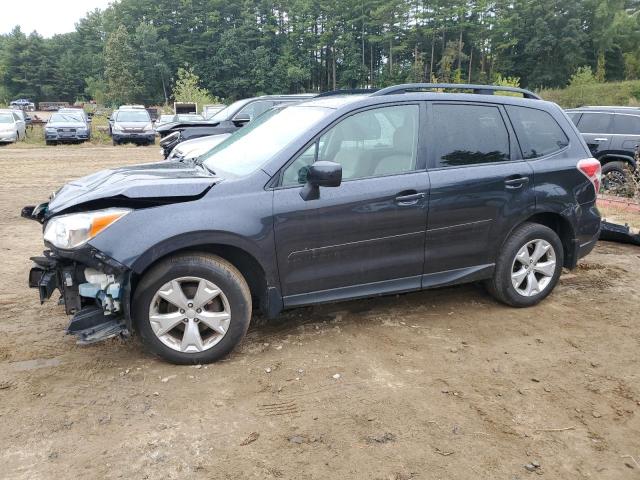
(533, 268)
(189, 314)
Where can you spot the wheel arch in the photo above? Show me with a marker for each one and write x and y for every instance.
(617, 157)
(557, 222)
(262, 281)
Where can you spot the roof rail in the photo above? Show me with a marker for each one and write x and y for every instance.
(476, 89)
(347, 91)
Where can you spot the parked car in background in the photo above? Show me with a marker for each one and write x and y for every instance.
(12, 127)
(612, 134)
(132, 124)
(67, 127)
(227, 120)
(23, 116)
(23, 104)
(332, 199)
(191, 149)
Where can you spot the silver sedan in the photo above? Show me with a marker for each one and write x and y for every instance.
(12, 127)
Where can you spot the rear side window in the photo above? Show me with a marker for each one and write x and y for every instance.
(626, 124)
(469, 135)
(537, 131)
(595, 123)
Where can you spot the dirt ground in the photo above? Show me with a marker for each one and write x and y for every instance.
(443, 384)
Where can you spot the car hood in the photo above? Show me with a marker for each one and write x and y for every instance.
(197, 146)
(148, 184)
(166, 127)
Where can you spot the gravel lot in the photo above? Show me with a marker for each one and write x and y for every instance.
(439, 384)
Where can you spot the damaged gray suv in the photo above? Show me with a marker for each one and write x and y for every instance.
(332, 199)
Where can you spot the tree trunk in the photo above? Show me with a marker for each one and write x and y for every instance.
(470, 63)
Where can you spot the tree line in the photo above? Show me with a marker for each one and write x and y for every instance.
(133, 50)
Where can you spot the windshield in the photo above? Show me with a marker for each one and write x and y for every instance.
(229, 111)
(66, 118)
(250, 147)
(6, 118)
(133, 116)
(188, 118)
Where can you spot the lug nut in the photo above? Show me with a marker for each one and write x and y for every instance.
(199, 310)
(181, 310)
(185, 320)
(196, 320)
(190, 305)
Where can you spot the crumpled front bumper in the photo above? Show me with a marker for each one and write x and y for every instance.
(94, 290)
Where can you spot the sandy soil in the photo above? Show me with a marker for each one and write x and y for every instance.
(445, 384)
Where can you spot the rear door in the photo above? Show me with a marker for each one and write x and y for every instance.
(479, 184)
(596, 128)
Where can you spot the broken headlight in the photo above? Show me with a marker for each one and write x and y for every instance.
(75, 229)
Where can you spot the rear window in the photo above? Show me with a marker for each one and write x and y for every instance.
(469, 135)
(626, 124)
(537, 131)
(595, 123)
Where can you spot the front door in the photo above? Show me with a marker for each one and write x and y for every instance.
(477, 188)
(367, 235)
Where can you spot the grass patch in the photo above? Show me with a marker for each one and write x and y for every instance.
(612, 93)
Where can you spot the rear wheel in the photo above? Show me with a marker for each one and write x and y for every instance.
(529, 266)
(614, 176)
(192, 308)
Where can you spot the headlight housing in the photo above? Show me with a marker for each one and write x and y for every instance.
(75, 229)
(116, 128)
(148, 127)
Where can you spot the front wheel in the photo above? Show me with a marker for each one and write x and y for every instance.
(529, 266)
(192, 308)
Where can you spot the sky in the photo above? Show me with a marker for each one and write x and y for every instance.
(47, 17)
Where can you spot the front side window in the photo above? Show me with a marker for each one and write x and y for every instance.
(537, 131)
(469, 135)
(6, 118)
(627, 124)
(595, 123)
(376, 142)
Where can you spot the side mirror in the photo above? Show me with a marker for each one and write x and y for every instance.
(321, 174)
(242, 118)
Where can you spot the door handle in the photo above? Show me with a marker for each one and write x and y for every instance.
(409, 198)
(600, 139)
(517, 182)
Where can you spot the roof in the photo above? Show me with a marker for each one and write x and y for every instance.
(606, 109)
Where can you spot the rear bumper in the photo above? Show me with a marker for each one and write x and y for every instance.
(8, 137)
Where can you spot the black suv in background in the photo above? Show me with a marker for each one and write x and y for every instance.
(612, 134)
(331, 199)
(227, 120)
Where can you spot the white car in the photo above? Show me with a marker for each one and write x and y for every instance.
(12, 127)
(191, 149)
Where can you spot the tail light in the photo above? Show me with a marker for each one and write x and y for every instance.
(591, 168)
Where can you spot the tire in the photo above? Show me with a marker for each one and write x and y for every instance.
(189, 271)
(502, 287)
(115, 143)
(614, 176)
(50, 142)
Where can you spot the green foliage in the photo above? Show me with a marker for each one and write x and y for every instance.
(188, 89)
(132, 50)
(583, 76)
(609, 93)
(124, 84)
